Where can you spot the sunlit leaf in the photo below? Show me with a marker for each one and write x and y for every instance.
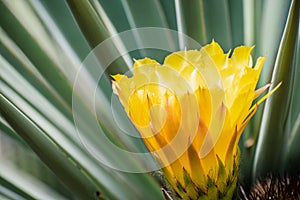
(272, 132)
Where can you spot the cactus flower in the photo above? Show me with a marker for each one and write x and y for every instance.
(191, 111)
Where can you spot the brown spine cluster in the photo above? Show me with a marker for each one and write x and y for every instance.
(274, 187)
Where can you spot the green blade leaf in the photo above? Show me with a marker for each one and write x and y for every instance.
(170, 13)
(273, 20)
(249, 22)
(95, 31)
(59, 15)
(272, 132)
(152, 9)
(26, 185)
(260, 19)
(295, 108)
(236, 22)
(22, 64)
(292, 153)
(218, 25)
(49, 153)
(43, 86)
(191, 21)
(112, 30)
(7, 129)
(10, 191)
(35, 50)
(155, 18)
(16, 80)
(115, 12)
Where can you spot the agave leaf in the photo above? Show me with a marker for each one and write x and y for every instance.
(259, 26)
(191, 21)
(11, 191)
(218, 25)
(5, 128)
(170, 13)
(34, 51)
(272, 132)
(33, 97)
(50, 41)
(259, 21)
(291, 153)
(274, 15)
(152, 9)
(57, 17)
(95, 31)
(71, 74)
(24, 184)
(48, 152)
(249, 22)
(253, 14)
(128, 17)
(66, 58)
(119, 20)
(236, 22)
(153, 17)
(89, 22)
(295, 108)
(73, 65)
(111, 30)
(14, 55)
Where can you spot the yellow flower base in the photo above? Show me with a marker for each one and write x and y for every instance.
(222, 187)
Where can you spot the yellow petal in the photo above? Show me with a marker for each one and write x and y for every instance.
(192, 110)
(241, 57)
(144, 61)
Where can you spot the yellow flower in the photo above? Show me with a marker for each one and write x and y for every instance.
(191, 112)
